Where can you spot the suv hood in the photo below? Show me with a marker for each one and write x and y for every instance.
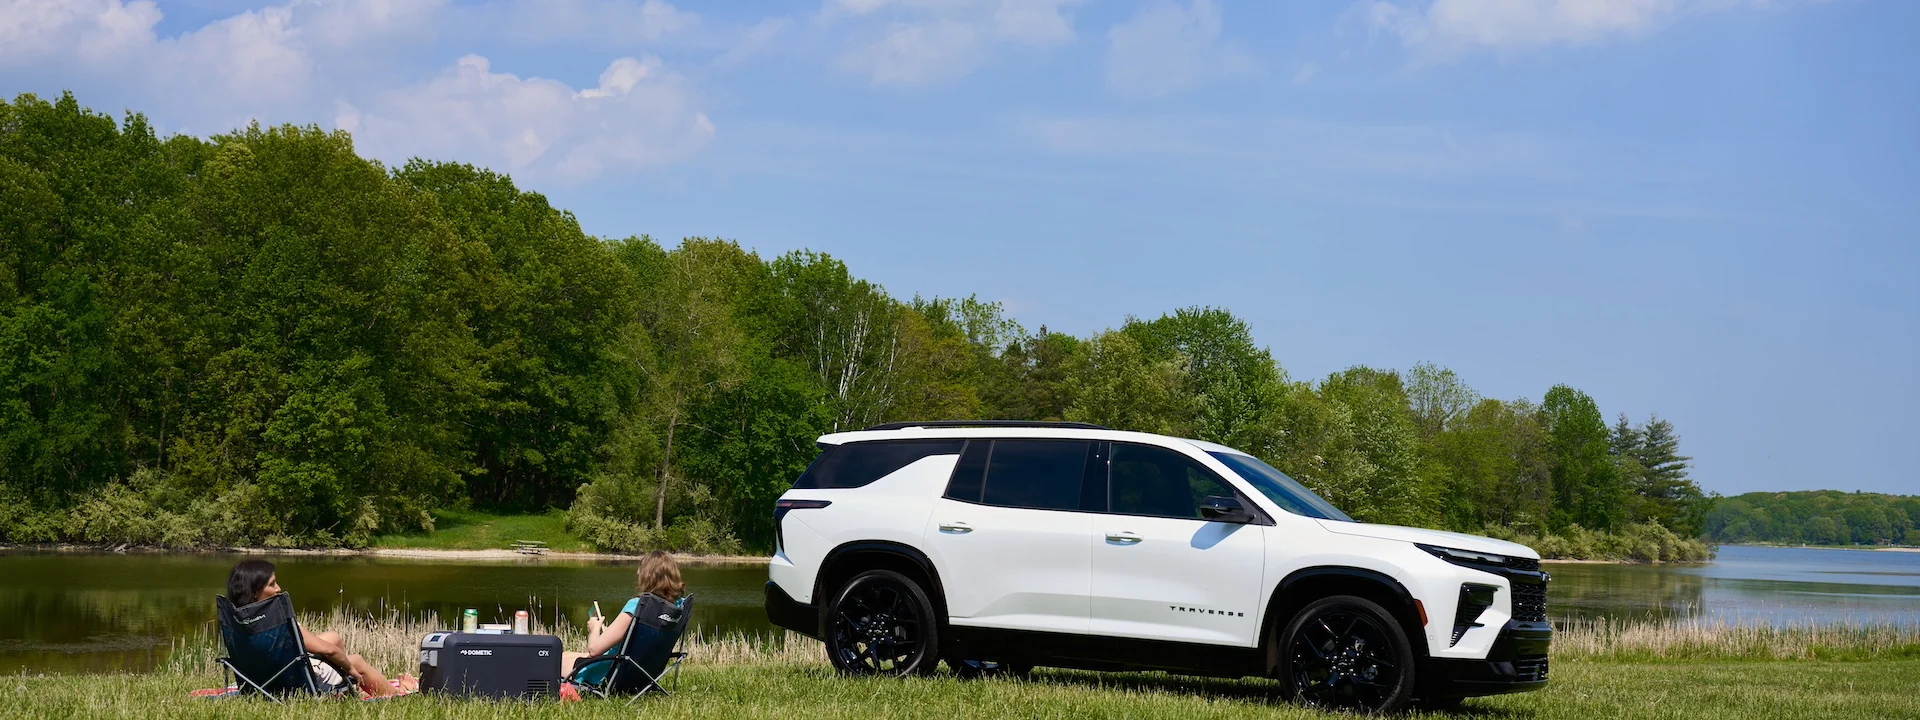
(1457, 541)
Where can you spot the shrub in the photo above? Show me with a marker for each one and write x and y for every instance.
(612, 515)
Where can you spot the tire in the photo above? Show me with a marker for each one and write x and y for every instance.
(881, 623)
(982, 669)
(1347, 653)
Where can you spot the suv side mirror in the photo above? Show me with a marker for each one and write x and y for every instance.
(1218, 508)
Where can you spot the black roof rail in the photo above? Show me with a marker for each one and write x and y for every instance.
(989, 424)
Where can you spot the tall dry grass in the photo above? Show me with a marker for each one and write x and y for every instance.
(1715, 640)
(392, 640)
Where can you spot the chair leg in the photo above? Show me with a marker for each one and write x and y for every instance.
(256, 686)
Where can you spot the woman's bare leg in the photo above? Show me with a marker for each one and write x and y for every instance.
(375, 684)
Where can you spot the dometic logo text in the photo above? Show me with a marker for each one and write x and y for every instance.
(476, 652)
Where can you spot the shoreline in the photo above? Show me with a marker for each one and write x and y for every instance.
(407, 553)
(1869, 548)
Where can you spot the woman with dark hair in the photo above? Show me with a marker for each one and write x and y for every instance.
(254, 580)
(656, 579)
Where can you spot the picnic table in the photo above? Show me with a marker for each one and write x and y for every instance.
(530, 547)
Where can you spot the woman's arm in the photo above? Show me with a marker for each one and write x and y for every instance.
(611, 636)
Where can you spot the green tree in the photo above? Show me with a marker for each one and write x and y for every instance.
(1119, 386)
(1667, 495)
(1438, 398)
(1586, 485)
(689, 325)
(552, 335)
(1225, 375)
(1389, 486)
(844, 329)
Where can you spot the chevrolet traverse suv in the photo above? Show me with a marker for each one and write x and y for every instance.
(998, 546)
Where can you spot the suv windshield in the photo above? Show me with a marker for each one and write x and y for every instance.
(1284, 491)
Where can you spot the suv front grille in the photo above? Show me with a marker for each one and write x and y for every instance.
(1530, 602)
(1520, 563)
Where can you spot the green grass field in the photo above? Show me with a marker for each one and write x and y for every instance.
(1741, 690)
(468, 530)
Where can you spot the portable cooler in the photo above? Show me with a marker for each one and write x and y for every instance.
(498, 666)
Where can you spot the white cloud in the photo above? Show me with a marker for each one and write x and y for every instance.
(626, 22)
(914, 42)
(294, 61)
(750, 44)
(1168, 48)
(98, 30)
(639, 116)
(1449, 27)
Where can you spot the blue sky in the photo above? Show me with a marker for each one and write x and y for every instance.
(1698, 208)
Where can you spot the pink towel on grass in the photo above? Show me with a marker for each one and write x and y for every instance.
(233, 690)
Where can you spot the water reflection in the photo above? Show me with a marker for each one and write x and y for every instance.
(1623, 592)
(75, 612)
(68, 612)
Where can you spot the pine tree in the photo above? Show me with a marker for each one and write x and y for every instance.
(1667, 495)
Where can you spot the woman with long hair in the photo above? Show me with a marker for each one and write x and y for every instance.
(254, 580)
(659, 576)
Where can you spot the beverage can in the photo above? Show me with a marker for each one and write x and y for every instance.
(520, 622)
(470, 620)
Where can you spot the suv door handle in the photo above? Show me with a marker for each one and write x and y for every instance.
(1124, 538)
(956, 528)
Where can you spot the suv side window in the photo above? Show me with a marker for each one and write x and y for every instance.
(1036, 474)
(1155, 481)
(858, 464)
(970, 473)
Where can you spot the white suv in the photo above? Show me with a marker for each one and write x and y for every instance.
(1003, 545)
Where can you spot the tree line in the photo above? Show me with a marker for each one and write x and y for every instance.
(1816, 517)
(261, 337)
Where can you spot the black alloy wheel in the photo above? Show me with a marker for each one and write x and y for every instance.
(1347, 653)
(881, 623)
(977, 669)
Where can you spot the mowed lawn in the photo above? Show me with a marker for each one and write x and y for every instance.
(1735, 690)
(469, 530)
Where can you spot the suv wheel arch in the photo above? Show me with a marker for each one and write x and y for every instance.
(849, 559)
(1306, 585)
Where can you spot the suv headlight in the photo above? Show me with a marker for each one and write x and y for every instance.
(1468, 558)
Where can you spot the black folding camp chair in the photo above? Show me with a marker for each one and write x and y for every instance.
(265, 652)
(649, 654)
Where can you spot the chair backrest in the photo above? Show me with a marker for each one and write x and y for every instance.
(651, 638)
(261, 639)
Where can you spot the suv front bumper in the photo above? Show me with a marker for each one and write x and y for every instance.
(1516, 663)
(784, 611)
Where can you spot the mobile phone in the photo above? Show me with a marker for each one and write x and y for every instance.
(596, 610)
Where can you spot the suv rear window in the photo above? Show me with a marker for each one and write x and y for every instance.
(857, 464)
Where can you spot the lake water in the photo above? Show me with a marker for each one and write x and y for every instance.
(89, 612)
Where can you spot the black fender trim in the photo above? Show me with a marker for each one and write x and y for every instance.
(937, 593)
(1416, 632)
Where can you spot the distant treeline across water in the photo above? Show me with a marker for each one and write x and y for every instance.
(1817, 517)
(262, 337)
